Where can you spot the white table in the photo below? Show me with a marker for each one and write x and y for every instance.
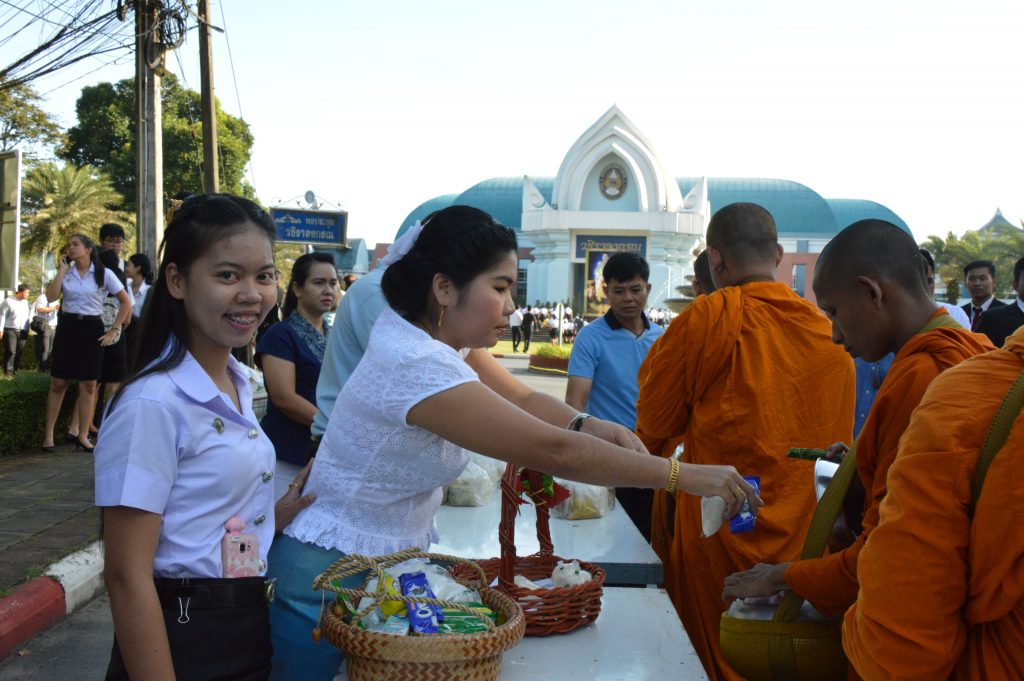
(637, 637)
(613, 542)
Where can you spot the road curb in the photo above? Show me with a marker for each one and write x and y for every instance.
(40, 603)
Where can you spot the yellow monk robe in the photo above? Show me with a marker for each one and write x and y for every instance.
(941, 595)
(741, 376)
(830, 583)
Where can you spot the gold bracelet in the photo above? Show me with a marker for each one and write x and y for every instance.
(673, 476)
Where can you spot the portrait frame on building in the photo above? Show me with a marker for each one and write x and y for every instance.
(595, 298)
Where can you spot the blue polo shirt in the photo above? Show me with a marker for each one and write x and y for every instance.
(610, 356)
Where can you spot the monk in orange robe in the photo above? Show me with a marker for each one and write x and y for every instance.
(869, 280)
(942, 594)
(739, 377)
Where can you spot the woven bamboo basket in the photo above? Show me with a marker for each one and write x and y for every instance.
(374, 656)
(548, 611)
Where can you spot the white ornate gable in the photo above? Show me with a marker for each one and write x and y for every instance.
(615, 136)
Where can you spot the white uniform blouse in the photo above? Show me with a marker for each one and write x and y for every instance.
(82, 295)
(175, 445)
(378, 479)
(138, 300)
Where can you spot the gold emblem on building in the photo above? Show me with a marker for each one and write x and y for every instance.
(613, 181)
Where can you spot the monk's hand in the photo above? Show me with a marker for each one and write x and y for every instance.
(760, 581)
(289, 505)
(704, 480)
(836, 451)
(614, 433)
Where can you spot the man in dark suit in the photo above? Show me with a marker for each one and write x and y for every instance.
(1000, 322)
(980, 277)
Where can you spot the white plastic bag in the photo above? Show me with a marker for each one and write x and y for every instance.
(472, 488)
(587, 501)
(495, 469)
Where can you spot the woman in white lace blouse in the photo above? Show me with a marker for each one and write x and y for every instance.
(399, 426)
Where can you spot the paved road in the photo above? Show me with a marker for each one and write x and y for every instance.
(77, 649)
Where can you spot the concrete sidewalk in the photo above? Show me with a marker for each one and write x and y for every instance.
(50, 561)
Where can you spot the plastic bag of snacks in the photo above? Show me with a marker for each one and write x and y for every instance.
(587, 501)
(472, 488)
(417, 578)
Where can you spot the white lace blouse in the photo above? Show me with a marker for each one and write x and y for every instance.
(377, 479)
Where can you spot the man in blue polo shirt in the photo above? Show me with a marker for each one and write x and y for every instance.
(605, 360)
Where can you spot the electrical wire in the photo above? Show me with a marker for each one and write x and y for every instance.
(234, 80)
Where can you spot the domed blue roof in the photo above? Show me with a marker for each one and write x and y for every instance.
(799, 211)
(849, 211)
(501, 197)
(424, 209)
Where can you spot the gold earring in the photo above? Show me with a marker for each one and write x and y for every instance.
(440, 318)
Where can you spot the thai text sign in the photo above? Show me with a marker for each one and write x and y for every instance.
(610, 244)
(320, 227)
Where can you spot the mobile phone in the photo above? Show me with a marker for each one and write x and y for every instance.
(67, 261)
(240, 555)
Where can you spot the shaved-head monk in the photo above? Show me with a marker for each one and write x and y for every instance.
(869, 280)
(702, 282)
(942, 593)
(738, 378)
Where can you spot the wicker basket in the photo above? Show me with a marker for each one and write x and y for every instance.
(548, 611)
(374, 656)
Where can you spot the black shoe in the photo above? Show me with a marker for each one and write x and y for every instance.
(87, 446)
(47, 449)
(70, 439)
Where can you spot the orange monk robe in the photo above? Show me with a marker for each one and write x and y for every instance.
(830, 583)
(741, 376)
(941, 595)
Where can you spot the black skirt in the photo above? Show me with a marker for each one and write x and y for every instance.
(77, 354)
(217, 629)
(115, 361)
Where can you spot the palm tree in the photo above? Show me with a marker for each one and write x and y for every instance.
(63, 200)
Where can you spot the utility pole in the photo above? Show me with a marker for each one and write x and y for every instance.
(149, 162)
(211, 174)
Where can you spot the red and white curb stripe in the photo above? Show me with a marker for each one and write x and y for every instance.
(40, 603)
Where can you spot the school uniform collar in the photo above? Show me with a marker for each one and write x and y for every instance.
(194, 382)
(615, 325)
(92, 268)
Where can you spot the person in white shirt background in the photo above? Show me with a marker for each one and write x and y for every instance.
(15, 313)
(139, 271)
(44, 326)
(181, 456)
(84, 283)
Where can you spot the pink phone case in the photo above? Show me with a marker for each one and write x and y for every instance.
(240, 555)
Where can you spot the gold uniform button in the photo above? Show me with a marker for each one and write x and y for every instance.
(260, 519)
(218, 425)
(267, 476)
(253, 434)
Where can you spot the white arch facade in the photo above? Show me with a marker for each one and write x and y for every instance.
(589, 212)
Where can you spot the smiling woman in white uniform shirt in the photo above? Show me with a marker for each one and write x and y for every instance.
(181, 453)
(83, 282)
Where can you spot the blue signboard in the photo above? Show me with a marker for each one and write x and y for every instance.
(319, 227)
(610, 243)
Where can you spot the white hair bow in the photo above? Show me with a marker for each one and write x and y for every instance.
(402, 245)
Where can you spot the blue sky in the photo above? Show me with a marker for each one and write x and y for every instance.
(380, 106)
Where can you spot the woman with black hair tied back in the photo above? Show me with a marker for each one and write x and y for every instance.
(183, 472)
(398, 428)
(84, 283)
(290, 353)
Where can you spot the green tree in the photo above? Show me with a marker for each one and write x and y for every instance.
(105, 137)
(1003, 246)
(23, 121)
(59, 201)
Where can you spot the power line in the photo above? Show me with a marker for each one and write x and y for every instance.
(234, 80)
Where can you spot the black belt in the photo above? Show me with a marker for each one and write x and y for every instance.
(79, 317)
(208, 593)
